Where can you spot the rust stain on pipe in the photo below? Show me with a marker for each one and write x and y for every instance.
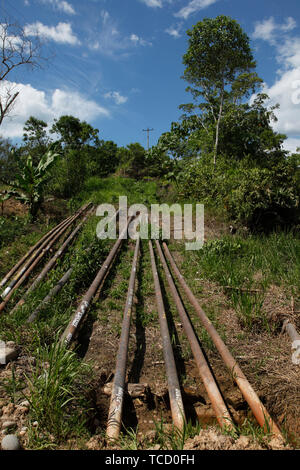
(80, 313)
(258, 409)
(61, 229)
(32, 249)
(176, 403)
(35, 260)
(53, 260)
(51, 294)
(219, 407)
(23, 269)
(117, 396)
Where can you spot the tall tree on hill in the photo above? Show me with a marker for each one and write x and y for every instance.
(35, 138)
(73, 133)
(75, 138)
(220, 66)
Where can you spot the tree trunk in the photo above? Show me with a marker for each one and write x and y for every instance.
(218, 125)
(33, 209)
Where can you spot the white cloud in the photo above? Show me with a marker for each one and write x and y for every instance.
(286, 92)
(47, 106)
(110, 41)
(139, 41)
(174, 31)
(268, 29)
(61, 33)
(193, 6)
(116, 96)
(286, 88)
(134, 38)
(152, 3)
(292, 144)
(61, 5)
(156, 3)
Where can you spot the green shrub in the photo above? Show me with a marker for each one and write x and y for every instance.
(253, 196)
(11, 228)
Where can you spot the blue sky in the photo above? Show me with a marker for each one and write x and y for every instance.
(117, 63)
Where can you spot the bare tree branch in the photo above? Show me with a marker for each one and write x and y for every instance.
(16, 49)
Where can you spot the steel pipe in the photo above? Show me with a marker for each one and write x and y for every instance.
(53, 260)
(59, 285)
(33, 248)
(80, 313)
(60, 229)
(26, 256)
(117, 396)
(295, 338)
(51, 294)
(176, 402)
(217, 402)
(258, 409)
(23, 269)
(36, 260)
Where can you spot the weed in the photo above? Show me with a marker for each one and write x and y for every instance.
(129, 439)
(12, 385)
(54, 403)
(175, 438)
(248, 306)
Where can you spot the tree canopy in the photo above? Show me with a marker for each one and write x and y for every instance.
(220, 66)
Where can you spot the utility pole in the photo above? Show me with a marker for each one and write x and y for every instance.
(148, 133)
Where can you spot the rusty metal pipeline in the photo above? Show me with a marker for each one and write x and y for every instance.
(33, 248)
(80, 313)
(51, 294)
(217, 402)
(26, 256)
(23, 269)
(52, 261)
(35, 254)
(258, 409)
(36, 260)
(176, 402)
(117, 396)
(65, 278)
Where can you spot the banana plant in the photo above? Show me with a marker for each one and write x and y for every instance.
(30, 181)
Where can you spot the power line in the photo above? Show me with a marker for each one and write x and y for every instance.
(148, 134)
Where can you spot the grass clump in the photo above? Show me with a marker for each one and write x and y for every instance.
(247, 267)
(53, 393)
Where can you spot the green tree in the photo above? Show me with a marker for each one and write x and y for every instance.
(30, 180)
(102, 158)
(133, 160)
(35, 138)
(219, 64)
(75, 138)
(8, 163)
(247, 132)
(74, 133)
